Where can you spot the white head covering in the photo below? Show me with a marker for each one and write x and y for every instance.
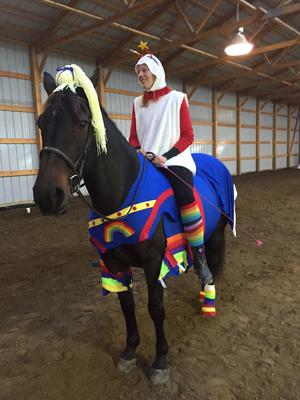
(156, 68)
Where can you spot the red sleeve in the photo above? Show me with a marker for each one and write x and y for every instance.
(186, 128)
(133, 140)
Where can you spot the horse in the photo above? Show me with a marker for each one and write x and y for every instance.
(69, 147)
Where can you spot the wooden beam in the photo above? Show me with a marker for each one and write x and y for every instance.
(184, 17)
(294, 134)
(110, 58)
(47, 45)
(279, 108)
(8, 107)
(101, 88)
(58, 21)
(274, 152)
(36, 91)
(238, 134)
(260, 50)
(220, 97)
(263, 105)
(17, 141)
(43, 62)
(257, 134)
(244, 101)
(215, 121)
(212, 9)
(289, 136)
(4, 174)
(15, 75)
(283, 10)
(220, 21)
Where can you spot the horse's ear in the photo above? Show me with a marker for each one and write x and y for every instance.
(95, 78)
(49, 83)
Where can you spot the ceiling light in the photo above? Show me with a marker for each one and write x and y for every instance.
(239, 45)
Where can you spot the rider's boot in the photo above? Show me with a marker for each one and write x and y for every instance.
(207, 294)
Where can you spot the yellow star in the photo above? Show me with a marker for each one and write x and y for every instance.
(143, 45)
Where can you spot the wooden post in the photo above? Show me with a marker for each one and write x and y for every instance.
(288, 161)
(238, 133)
(185, 87)
(257, 135)
(274, 135)
(215, 121)
(101, 87)
(36, 90)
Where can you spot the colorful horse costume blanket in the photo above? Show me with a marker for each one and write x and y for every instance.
(153, 199)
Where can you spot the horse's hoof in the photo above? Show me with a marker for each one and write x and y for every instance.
(159, 376)
(126, 366)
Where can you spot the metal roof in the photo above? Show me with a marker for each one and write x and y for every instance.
(189, 36)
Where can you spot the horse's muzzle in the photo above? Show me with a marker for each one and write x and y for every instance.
(51, 199)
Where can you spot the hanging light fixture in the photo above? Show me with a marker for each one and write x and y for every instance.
(239, 45)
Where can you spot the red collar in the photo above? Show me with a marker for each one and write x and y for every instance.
(156, 94)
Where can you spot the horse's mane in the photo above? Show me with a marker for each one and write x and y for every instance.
(67, 100)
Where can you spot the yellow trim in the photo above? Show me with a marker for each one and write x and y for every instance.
(135, 208)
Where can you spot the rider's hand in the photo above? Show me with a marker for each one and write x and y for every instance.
(158, 160)
(142, 151)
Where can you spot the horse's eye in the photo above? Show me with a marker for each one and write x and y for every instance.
(83, 123)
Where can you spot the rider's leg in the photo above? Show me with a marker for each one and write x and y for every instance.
(193, 227)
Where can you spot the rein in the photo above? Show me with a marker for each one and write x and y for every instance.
(78, 168)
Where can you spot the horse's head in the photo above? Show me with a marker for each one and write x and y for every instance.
(66, 129)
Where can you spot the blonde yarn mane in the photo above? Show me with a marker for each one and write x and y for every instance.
(72, 76)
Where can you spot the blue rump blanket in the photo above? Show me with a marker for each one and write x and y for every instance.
(154, 200)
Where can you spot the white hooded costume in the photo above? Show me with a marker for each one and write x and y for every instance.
(158, 123)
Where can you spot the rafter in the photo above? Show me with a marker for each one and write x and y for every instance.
(222, 29)
(284, 10)
(184, 17)
(198, 29)
(48, 34)
(111, 60)
(259, 50)
(46, 46)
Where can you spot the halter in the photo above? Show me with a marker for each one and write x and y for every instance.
(78, 167)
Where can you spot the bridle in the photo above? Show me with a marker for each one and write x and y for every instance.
(78, 167)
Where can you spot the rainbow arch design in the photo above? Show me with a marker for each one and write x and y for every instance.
(117, 226)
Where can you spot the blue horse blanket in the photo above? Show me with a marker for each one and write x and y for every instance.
(153, 199)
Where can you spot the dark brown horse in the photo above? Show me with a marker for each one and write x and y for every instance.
(69, 146)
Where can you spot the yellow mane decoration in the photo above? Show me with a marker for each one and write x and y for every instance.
(72, 76)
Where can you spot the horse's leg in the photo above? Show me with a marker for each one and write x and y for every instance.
(127, 360)
(215, 250)
(159, 372)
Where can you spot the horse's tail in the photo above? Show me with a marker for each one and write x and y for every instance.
(215, 248)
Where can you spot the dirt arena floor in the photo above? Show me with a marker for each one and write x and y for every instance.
(60, 339)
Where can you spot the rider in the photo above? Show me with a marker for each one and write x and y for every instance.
(161, 124)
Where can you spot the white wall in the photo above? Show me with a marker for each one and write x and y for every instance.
(17, 125)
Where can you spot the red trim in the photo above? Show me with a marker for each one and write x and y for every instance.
(97, 244)
(146, 229)
(156, 94)
(133, 140)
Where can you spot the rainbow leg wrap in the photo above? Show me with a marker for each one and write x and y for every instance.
(192, 223)
(208, 306)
